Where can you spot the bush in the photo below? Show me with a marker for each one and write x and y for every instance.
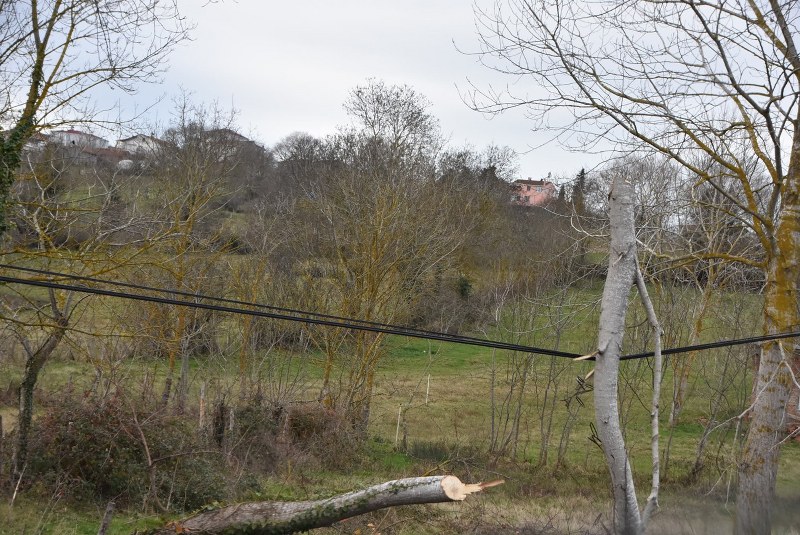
(91, 450)
(265, 436)
(254, 440)
(325, 435)
(95, 450)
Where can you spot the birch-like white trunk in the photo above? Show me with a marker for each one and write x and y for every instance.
(652, 500)
(621, 276)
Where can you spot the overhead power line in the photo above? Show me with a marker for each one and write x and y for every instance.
(194, 295)
(315, 318)
(309, 319)
(240, 303)
(714, 345)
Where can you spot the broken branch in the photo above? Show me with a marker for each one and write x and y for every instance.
(289, 517)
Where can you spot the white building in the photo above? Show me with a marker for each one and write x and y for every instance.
(140, 144)
(76, 138)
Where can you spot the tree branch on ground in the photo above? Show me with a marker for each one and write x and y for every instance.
(290, 517)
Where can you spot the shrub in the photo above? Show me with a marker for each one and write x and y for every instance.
(265, 436)
(324, 434)
(254, 440)
(98, 450)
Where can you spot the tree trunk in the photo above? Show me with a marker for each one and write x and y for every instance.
(107, 516)
(652, 500)
(9, 161)
(183, 381)
(758, 469)
(179, 349)
(614, 305)
(289, 517)
(759, 465)
(33, 365)
(11, 144)
(793, 405)
(167, 389)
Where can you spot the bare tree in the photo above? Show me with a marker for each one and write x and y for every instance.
(378, 232)
(55, 318)
(68, 217)
(199, 153)
(623, 272)
(690, 79)
(397, 117)
(379, 244)
(53, 53)
(301, 158)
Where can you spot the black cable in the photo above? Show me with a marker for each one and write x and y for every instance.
(283, 310)
(714, 345)
(315, 318)
(197, 296)
(441, 337)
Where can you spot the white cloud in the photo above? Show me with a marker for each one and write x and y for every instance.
(288, 66)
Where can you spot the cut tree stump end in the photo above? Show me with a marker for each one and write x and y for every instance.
(456, 490)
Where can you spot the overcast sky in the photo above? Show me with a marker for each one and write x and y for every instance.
(288, 66)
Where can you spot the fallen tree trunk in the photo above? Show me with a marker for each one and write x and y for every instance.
(262, 518)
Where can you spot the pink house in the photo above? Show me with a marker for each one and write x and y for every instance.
(532, 192)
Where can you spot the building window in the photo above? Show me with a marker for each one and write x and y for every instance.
(539, 188)
(528, 187)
